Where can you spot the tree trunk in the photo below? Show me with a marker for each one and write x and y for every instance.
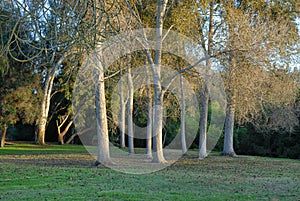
(45, 105)
(206, 91)
(149, 119)
(65, 131)
(203, 123)
(130, 113)
(3, 136)
(122, 114)
(228, 149)
(182, 125)
(229, 126)
(158, 156)
(203, 127)
(71, 138)
(61, 139)
(101, 118)
(204, 112)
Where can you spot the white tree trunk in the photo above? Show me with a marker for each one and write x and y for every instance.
(203, 126)
(103, 156)
(158, 156)
(130, 113)
(122, 115)
(204, 112)
(228, 133)
(206, 91)
(45, 105)
(182, 125)
(149, 119)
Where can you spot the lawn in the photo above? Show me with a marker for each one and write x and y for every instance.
(31, 172)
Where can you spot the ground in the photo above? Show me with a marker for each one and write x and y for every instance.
(31, 172)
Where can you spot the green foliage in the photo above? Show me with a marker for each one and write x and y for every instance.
(247, 141)
(276, 144)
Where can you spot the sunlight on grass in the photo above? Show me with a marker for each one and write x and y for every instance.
(30, 172)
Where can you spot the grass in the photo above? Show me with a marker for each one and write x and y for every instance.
(30, 172)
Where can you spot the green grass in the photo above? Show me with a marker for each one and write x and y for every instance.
(30, 148)
(30, 172)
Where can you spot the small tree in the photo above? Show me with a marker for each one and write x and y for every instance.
(18, 104)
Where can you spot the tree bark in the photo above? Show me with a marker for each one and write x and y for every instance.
(203, 123)
(206, 91)
(3, 136)
(228, 149)
(45, 105)
(62, 134)
(158, 156)
(130, 112)
(122, 114)
(103, 156)
(182, 125)
(71, 138)
(149, 118)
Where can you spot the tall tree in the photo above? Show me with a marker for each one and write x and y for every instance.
(254, 39)
(206, 40)
(56, 31)
(158, 156)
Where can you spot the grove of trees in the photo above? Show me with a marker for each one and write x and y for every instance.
(253, 45)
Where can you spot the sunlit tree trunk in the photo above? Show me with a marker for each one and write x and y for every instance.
(45, 105)
(158, 156)
(182, 125)
(228, 149)
(149, 118)
(203, 124)
(61, 134)
(45, 110)
(3, 136)
(103, 156)
(206, 89)
(130, 112)
(122, 114)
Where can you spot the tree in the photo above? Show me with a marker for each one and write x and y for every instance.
(253, 35)
(19, 91)
(56, 31)
(18, 102)
(155, 64)
(206, 35)
(158, 156)
(59, 125)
